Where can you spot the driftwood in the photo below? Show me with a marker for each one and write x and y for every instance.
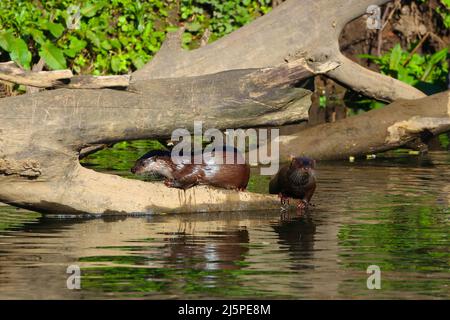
(10, 72)
(403, 122)
(246, 79)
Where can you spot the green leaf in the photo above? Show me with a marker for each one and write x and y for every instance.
(123, 40)
(115, 64)
(377, 104)
(439, 56)
(194, 26)
(138, 61)
(53, 56)
(115, 43)
(76, 45)
(106, 45)
(56, 29)
(38, 36)
(90, 9)
(93, 38)
(171, 28)
(434, 60)
(367, 56)
(396, 55)
(17, 49)
(186, 38)
(19, 53)
(403, 75)
(6, 40)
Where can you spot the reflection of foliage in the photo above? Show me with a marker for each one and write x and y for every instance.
(178, 281)
(445, 141)
(415, 232)
(258, 183)
(11, 218)
(121, 156)
(398, 238)
(393, 287)
(207, 265)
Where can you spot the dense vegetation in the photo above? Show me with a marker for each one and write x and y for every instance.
(118, 36)
(427, 72)
(111, 36)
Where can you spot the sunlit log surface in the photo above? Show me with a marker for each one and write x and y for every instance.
(296, 29)
(403, 122)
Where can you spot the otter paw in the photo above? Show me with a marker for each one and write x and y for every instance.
(303, 204)
(169, 183)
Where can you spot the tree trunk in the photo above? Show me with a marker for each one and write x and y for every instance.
(307, 29)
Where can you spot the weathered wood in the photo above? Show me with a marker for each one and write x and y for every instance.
(9, 71)
(87, 150)
(295, 29)
(42, 134)
(375, 131)
(99, 82)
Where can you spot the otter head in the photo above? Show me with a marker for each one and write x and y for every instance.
(154, 163)
(303, 164)
(302, 169)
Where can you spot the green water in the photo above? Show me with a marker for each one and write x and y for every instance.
(391, 212)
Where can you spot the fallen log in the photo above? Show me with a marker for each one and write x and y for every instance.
(42, 135)
(390, 127)
(307, 29)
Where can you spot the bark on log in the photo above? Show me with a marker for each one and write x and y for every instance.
(295, 29)
(99, 82)
(375, 131)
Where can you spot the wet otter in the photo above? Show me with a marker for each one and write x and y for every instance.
(295, 180)
(187, 175)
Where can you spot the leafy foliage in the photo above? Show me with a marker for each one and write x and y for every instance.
(112, 36)
(427, 72)
(220, 17)
(444, 11)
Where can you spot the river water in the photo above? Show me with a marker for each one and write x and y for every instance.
(392, 212)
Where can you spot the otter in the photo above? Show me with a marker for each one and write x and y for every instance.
(295, 180)
(187, 174)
